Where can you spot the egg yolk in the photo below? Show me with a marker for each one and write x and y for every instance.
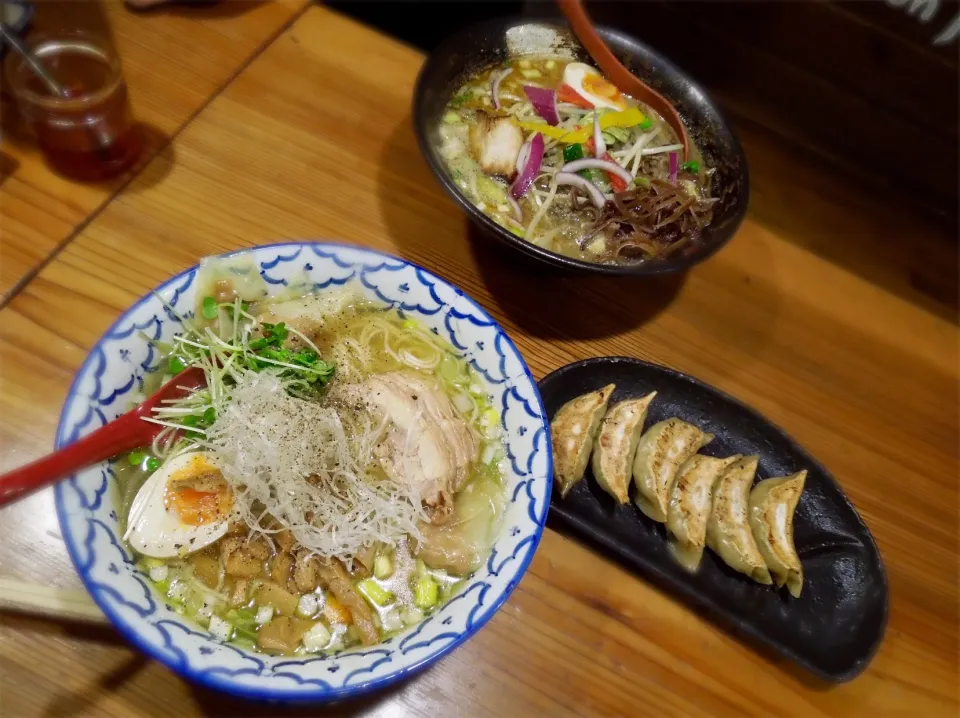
(198, 494)
(599, 86)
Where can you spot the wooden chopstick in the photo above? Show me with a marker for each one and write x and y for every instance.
(31, 598)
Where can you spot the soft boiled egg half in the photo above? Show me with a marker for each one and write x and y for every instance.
(185, 505)
(592, 86)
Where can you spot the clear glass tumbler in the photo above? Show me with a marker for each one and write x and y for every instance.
(89, 133)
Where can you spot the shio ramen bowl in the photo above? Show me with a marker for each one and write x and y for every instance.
(87, 503)
(487, 44)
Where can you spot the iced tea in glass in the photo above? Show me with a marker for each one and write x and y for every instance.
(88, 133)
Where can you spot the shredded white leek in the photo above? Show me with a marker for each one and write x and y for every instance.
(310, 468)
(543, 209)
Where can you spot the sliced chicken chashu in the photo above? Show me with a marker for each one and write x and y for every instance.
(429, 446)
(495, 143)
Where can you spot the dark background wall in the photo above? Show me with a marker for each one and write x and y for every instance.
(860, 83)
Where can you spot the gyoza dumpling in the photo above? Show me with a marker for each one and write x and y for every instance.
(772, 504)
(728, 529)
(690, 501)
(616, 446)
(663, 449)
(572, 432)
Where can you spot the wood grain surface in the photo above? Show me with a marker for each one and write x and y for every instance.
(174, 60)
(811, 315)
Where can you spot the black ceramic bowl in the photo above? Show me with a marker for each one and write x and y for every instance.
(489, 43)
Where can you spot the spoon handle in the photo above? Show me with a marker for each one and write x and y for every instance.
(615, 71)
(11, 38)
(122, 434)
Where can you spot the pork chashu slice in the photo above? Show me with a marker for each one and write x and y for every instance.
(428, 445)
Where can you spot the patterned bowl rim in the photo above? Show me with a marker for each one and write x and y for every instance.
(216, 681)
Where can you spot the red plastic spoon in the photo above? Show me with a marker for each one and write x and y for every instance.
(125, 433)
(613, 69)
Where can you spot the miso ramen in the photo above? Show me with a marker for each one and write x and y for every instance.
(553, 152)
(337, 480)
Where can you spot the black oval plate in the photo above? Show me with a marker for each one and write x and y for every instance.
(835, 627)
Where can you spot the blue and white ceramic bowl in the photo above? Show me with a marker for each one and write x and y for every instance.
(110, 378)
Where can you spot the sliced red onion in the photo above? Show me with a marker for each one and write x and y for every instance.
(497, 78)
(531, 155)
(544, 103)
(598, 143)
(517, 210)
(594, 164)
(674, 166)
(589, 187)
(523, 156)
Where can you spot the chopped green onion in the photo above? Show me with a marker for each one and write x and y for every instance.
(391, 621)
(382, 566)
(175, 365)
(572, 152)
(490, 417)
(246, 633)
(425, 592)
(220, 628)
(619, 134)
(209, 308)
(136, 457)
(374, 592)
(449, 368)
(411, 616)
(153, 463)
(692, 166)
(646, 124)
(642, 182)
(598, 177)
(316, 639)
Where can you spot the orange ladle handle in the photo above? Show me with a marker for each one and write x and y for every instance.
(613, 69)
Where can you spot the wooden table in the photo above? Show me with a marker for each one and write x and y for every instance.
(174, 61)
(810, 315)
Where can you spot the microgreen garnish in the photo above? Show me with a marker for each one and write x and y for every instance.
(243, 345)
(210, 308)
